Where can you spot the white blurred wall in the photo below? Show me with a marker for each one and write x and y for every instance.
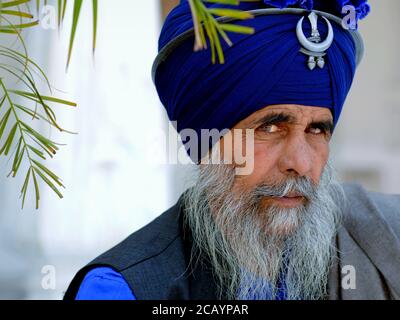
(366, 147)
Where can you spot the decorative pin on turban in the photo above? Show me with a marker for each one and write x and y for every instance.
(299, 53)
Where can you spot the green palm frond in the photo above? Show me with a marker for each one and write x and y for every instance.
(22, 104)
(19, 106)
(205, 24)
(61, 8)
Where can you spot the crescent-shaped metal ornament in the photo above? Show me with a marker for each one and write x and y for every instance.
(314, 46)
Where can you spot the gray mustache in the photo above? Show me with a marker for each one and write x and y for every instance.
(301, 185)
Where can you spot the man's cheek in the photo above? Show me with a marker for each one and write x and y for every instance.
(320, 162)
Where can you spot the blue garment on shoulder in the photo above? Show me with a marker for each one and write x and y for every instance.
(104, 283)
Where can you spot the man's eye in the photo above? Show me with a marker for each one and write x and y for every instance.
(272, 128)
(317, 130)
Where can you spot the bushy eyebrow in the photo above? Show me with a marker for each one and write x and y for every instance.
(280, 117)
(275, 118)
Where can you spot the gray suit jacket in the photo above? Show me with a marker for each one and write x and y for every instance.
(369, 242)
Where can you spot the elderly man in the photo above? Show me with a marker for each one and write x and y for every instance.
(287, 229)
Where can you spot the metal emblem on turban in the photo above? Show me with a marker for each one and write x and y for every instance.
(312, 46)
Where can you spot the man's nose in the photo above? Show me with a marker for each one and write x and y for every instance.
(297, 156)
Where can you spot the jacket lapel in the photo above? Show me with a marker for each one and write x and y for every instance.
(367, 243)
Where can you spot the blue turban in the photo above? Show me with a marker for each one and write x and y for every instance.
(261, 69)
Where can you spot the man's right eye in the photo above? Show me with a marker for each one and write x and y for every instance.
(271, 128)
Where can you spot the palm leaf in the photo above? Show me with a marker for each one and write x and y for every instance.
(18, 138)
(204, 17)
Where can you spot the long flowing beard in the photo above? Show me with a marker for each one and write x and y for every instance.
(249, 245)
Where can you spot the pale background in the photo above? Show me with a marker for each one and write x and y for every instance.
(113, 187)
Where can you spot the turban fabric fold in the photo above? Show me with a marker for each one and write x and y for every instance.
(265, 68)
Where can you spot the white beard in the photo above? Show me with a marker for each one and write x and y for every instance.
(246, 245)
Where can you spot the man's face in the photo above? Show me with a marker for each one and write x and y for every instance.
(284, 213)
(289, 141)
